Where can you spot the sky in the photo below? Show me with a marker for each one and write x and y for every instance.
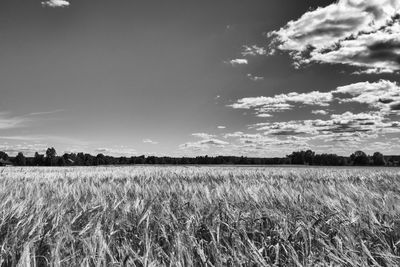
(185, 78)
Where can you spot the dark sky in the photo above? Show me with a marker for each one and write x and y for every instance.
(162, 77)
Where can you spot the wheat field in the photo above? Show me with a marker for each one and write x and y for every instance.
(199, 216)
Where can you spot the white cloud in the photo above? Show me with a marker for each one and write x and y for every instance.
(203, 135)
(376, 52)
(208, 141)
(319, 112)
(238, 61)
(116, 151)
(264, 115)
(342, 133)
(46, 112)
(214, 142)
(255, 78)
(149, 141)
(221, 127)
(383, 95)
(353, 32)
(368, 123)
(26, 149)
(253, 50)
(56, 3)
(204, 145)
(9, 122)
(260, 144)
(265, 105)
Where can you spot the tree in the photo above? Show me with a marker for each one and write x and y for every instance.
(100, 159)
(303, 157)
(38, 159)
(297, 157)
(359, 158)
(61, 161)
(3, 155)
(20, 160)
(378, 159)
(309, 157)
(51, 155)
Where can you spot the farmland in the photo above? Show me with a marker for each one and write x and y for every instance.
(199, 216)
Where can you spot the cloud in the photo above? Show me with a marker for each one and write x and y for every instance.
(116, 151)
(221, 127)
(286, 128)
(377, 52)
(259, 144)
(358, 33)
(319, 112)
(255, 78)
(341, 133)
(149, 141)
(203, 135)
(253, 50)
(382, 95)
(264, 115)
(238, 61)
(20, 138)
(214, 142)
(10, 122)
(369, 123)
(208, 141)
(203, 145)
(282, 102)
(45, 112)
(26, 149)
(56, 3)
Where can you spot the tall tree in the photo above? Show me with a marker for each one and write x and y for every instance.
(20, 159)
(378, 159)
(309, 157)
(359, 158)
(38, 159)
(3, 155)
(51, 155)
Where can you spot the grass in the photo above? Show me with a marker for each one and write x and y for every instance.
(199, 216)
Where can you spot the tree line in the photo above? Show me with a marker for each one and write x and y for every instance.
(308, 157)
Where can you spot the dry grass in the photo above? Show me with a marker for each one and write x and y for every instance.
(199, 216)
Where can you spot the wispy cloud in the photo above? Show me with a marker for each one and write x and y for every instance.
(46, 112)
(55, 3)
(26, 149)
(253, 50)
(208, 141)
(149, 141)
(255, 78)
(204, 135)
(319, 112)
(238, 61)
(116, 151)
(52, 139)
(8, 121)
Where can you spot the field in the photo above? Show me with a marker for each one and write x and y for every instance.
(199, 216)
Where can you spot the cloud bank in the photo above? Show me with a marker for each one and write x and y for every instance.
(364, 34)
(382, 95)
